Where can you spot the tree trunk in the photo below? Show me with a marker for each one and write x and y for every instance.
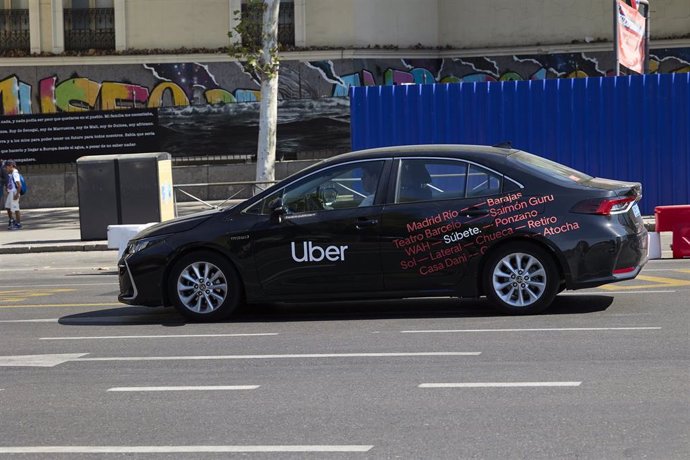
(266, 153)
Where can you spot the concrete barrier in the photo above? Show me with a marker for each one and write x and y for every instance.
(653, 245)
(119, 235)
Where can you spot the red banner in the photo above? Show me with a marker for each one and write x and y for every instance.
(631, 37)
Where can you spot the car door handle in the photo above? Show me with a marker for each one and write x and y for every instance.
(474, 211)
(364, 223)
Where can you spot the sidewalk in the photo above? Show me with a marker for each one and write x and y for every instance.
(57, 230)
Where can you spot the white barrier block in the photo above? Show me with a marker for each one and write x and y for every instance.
(119, 235)
(653, 245)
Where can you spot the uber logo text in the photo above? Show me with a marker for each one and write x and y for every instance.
(314, 253)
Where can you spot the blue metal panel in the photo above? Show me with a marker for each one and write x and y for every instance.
(629, 128)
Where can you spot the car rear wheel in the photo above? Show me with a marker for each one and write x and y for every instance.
(203, 286)
(521, 278)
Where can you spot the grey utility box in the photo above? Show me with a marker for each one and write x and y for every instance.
(98, 198)
(123, 189)
(145, 188)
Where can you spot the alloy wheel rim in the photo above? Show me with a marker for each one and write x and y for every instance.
(202, 287)
(519, 279)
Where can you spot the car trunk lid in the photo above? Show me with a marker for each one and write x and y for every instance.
(620, 188)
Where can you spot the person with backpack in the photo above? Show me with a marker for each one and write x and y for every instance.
(3, 179)
(13, 189)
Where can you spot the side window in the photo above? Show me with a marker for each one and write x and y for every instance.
(482, 182)
(437, 179)
(509, 185)
(346, 186)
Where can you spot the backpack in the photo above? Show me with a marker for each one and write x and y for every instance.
(24, 188)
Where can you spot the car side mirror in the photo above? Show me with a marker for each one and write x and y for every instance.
(278, 211)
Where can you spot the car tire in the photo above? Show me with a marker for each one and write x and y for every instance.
(204, 286)
(521, 278)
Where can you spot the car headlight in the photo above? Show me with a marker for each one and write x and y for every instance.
(135, 246)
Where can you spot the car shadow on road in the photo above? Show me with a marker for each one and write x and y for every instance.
(337, 311)
(125, 316)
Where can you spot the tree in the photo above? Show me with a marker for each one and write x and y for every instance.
(258, 50)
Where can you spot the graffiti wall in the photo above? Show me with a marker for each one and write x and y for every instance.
(212, 109)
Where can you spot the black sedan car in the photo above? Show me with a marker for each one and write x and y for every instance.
(397, 222)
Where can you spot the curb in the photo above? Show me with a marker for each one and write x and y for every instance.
(30, 249)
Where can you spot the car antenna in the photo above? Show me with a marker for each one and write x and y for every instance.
(504, 145)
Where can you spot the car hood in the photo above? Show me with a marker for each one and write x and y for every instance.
(177, 225)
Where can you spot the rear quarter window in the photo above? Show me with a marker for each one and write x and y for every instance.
(482, 182)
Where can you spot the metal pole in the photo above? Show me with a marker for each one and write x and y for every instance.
(646, 13)
(616, 65)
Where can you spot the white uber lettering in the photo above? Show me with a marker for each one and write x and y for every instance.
(314, 253)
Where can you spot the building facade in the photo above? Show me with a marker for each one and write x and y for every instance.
(56, 26)
(168, 56)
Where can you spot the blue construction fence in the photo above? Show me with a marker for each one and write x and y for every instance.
(634, 128)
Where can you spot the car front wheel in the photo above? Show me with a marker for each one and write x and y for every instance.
(521, 278)
(203, 286)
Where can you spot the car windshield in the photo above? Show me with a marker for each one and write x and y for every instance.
(551, 168)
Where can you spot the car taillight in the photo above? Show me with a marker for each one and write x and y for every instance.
(605, 206)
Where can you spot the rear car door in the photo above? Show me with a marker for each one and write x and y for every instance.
(429, 234)
(328, 238)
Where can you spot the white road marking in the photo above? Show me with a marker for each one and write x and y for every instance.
(38, 360)
(500, 384)
(641, 291)
(28, 286)
(544, 329)
(180, 449)
(101, 271)
(298, 356)
(657, 261)
(185, 336)
(46, 320)
(59, 305)
(187, 388)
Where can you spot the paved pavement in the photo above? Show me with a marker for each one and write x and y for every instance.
(57, 230)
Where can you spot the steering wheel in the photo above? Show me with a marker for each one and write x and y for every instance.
(328, 196)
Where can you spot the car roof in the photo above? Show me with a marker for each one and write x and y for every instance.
(467, 150)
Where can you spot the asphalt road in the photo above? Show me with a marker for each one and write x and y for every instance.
(604, 374)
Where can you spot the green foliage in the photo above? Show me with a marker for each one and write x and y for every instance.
(249, 49)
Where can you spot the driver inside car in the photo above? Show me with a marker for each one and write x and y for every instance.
(370, 179)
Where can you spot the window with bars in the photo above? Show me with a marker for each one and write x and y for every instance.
(14, 25)
(286, 24)
(89, 24)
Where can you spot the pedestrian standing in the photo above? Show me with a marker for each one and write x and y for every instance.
(13, 189)
(3, 179)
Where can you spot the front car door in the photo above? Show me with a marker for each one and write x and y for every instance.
(324, 238)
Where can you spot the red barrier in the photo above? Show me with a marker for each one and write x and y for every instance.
(681, 242)
(675, 219)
